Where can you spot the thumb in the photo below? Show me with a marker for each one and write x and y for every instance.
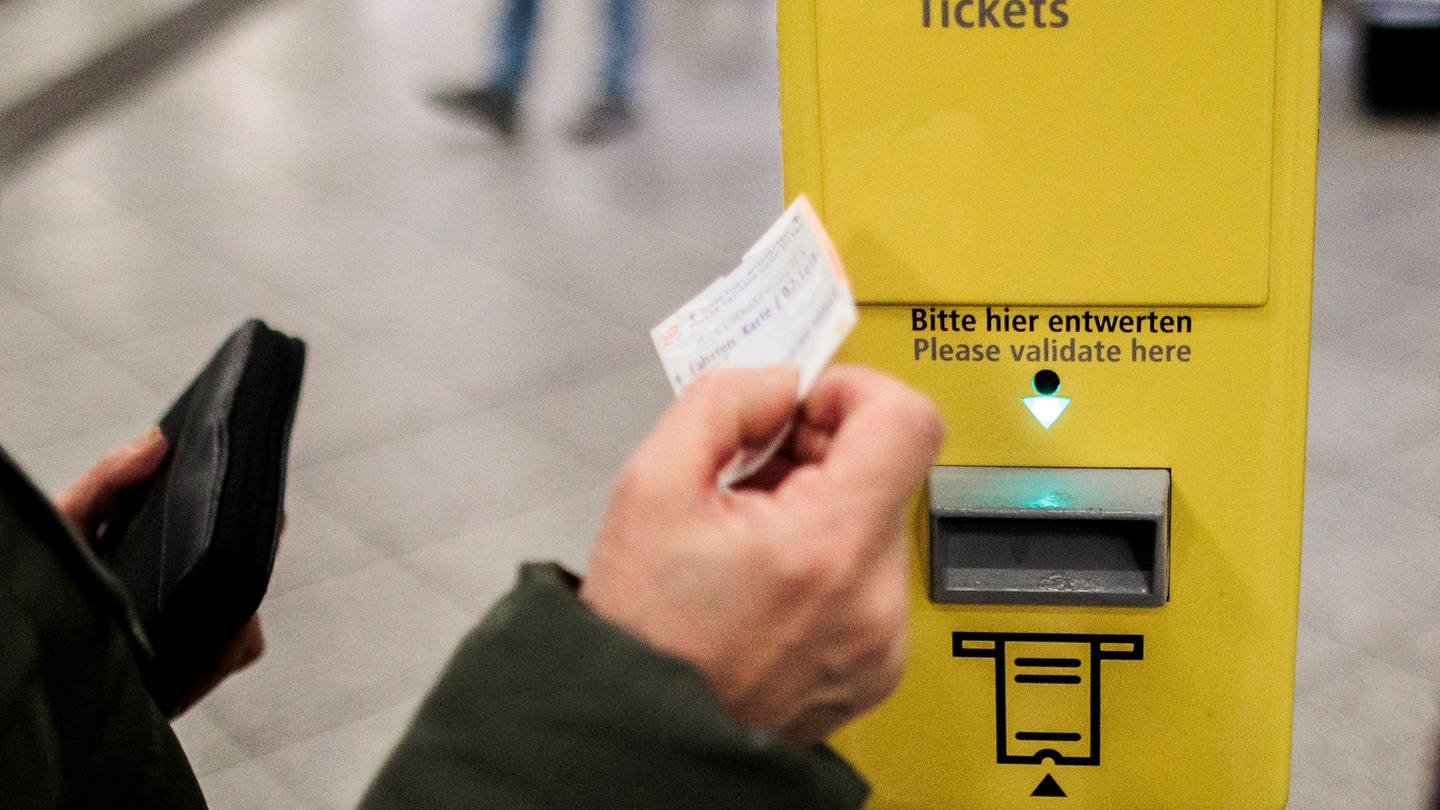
(88, 500)
(720, 413)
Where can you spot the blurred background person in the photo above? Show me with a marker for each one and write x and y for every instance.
(495, 101)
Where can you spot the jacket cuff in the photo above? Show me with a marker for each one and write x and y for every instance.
(546, 704)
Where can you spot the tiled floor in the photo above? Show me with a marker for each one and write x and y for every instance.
(43, 41)
(479, 362)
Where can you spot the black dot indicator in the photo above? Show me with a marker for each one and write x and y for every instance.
(1046, 382)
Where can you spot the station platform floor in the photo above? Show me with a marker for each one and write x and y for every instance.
(478, 316)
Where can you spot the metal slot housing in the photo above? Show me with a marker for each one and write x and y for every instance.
(1050, 536)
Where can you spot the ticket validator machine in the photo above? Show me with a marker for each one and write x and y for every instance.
(1084, 227)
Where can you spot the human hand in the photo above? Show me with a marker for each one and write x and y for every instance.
(90, 499)
(238, 653)
(89, 502)
(788, 592)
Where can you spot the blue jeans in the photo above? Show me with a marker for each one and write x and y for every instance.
(517, 35)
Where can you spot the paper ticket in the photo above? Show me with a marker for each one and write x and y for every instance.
(788, 301)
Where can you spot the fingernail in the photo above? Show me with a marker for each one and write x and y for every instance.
(147, 439)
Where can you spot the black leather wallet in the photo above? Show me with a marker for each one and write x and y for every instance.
(195, 547)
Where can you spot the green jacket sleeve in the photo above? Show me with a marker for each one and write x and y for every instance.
(546, 705)
(77, 727)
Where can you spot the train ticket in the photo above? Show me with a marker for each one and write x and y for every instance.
(787, 301)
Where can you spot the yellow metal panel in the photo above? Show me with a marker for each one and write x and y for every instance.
(1203, 719)
(1199, 716)
(1120, 158)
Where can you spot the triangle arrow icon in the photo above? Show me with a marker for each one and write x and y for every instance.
(1048, 787)
(1046, 409)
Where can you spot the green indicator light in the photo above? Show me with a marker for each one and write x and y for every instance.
(1046, 407)
(1050, 500)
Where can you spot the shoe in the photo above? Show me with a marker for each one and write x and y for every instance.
(493, 108)
(607, 120)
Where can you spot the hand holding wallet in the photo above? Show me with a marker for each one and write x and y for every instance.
(194, 548)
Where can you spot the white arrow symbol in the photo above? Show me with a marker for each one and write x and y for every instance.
(1046, 409)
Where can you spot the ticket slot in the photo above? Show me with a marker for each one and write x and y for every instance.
(1049, 536)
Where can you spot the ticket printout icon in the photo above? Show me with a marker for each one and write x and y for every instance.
(1047, 691)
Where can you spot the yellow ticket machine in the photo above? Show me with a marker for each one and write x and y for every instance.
(1084, 227)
